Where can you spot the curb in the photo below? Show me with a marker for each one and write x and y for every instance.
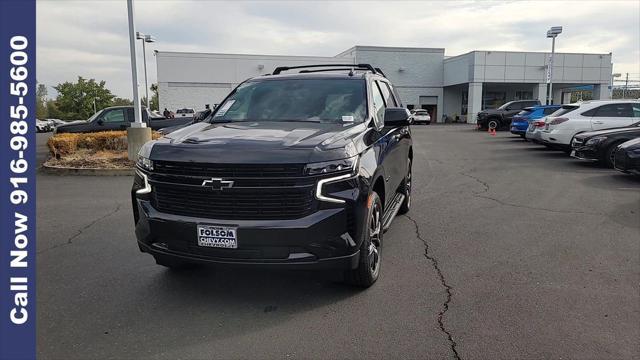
(55, 170)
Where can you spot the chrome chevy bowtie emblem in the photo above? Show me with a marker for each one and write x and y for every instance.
(217, 184)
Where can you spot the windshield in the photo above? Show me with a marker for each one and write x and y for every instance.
(332, 100)
(504, 106)
(94, 116)
(525, 112)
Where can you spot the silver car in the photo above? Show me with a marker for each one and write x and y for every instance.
(534, 130)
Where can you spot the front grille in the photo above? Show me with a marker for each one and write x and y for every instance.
(228, 170)
(234, 204)
(259, 191)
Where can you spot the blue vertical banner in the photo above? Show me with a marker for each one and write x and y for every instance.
(17, 185)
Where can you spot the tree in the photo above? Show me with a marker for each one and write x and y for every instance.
(76, 100)
(155, 103)
(41, 102)
(154, 98)
(118, 101)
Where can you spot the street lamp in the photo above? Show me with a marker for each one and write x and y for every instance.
(552, 33)
(145, 39)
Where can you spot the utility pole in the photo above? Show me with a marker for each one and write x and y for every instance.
(626, 84)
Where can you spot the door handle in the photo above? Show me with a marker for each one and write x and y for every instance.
(598, 122)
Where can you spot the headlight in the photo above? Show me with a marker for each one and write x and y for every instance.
(330, 167)
(145, 163)
(595, 140)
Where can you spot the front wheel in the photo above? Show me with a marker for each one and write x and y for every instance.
(369, 264)
(405, 187)
(610, 155)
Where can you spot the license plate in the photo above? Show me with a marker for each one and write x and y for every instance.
(218, 236)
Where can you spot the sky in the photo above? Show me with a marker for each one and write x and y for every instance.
(90, 38)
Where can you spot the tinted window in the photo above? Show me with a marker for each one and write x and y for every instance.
(636, 110)
(395, 95)
(386, 93)
(548, 111)
(525, 112)
(112, 116)
(296, 100)
(614, 110)
(378, 103)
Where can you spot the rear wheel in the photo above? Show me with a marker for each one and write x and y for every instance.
(369, 264)
(493, 124)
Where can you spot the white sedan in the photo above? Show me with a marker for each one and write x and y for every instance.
(422, 116)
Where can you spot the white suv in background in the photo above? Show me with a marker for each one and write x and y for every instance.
(561, 126)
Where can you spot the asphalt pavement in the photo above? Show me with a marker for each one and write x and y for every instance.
(510, 251)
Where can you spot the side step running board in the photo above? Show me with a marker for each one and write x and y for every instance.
(392, 211)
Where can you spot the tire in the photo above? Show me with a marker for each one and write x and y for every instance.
(368, 268)
(607, 160)
(493, 123)
(406, 188)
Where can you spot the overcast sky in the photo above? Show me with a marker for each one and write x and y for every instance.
(89, 38)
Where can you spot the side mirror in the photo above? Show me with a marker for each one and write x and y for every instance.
(100, 122)
(396, 117)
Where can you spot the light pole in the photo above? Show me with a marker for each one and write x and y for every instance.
(552, 33)
(145, 39)
(138, 133)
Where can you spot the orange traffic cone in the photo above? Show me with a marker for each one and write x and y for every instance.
(492, 131)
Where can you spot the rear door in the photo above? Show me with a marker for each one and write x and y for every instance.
(612, 116)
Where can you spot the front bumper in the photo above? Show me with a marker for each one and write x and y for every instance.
(625, 163)
(325, 238)
(587, 153)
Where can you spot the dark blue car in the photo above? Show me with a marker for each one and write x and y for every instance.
(520, 121)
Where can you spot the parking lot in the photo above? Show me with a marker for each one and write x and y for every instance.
(510, 251)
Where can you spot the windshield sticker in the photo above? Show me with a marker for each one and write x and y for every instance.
(223, 110)
(347, 118)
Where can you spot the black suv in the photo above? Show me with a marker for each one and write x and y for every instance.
(500, 118)
(117, 118)
(302, 169)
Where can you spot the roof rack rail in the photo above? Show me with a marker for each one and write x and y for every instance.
(280, 69)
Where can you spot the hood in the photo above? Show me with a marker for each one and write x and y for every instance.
(491, 111)
(71, 123)
(609, 132)
(258, 142)
(631, 144)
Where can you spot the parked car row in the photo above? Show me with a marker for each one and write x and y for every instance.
(604, 131)
(118, 118)
(47, 125)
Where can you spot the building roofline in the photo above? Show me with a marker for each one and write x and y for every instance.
(522, 52)
(391, 48)
(236, 55)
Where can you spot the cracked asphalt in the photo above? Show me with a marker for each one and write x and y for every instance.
(510, 251)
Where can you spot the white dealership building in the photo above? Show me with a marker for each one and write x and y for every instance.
(456, 86)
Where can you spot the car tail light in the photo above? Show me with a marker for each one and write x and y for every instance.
(538, 123)
(558, 121)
